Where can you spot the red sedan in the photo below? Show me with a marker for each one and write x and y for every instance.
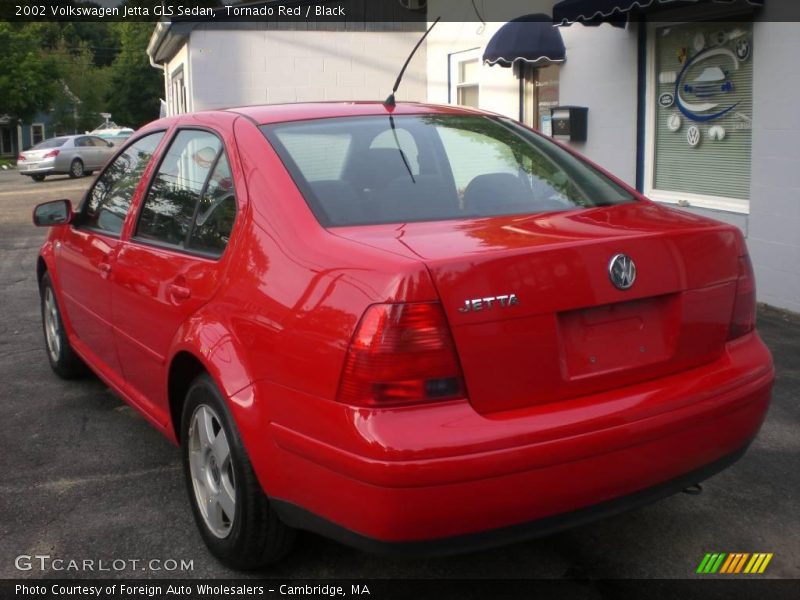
(411, 328)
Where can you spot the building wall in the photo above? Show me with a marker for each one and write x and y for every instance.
(601, 73)
(252, 66)
(774, 222)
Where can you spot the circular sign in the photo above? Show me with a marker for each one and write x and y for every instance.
(693, 136)
(716, 133)
(743, 49)
(666, 99)
(674, 123)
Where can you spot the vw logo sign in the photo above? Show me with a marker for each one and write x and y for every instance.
(622, 271)
(693, 136)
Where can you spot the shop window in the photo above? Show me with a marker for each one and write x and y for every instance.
(701, 110)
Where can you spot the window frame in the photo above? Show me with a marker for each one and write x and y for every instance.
(40, 126)
(79, 222)
(456, 59)
(212, 256)
(680, 199)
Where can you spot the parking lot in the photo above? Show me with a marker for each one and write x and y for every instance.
(86, 478)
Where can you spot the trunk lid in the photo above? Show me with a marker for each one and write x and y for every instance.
(568, 331)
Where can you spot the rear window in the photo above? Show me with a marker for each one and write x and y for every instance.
(51, 143)
(372, 170)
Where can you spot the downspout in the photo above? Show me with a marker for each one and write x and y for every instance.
(151, 51)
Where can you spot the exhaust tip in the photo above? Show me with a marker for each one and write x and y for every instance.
(694, 490)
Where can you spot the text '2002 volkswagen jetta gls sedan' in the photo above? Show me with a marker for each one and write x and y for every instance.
(407, 327)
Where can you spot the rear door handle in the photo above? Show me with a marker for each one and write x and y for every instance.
(105, 269)
(179, 292)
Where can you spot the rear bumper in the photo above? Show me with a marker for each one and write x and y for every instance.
(38, 171)
(300, 518)
(412, 476)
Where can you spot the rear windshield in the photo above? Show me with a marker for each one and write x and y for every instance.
(51, 143)
(371, 170)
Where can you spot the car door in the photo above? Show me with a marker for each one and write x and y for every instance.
(84, 149)
(172, 264)
(85, 256)
(102, 151)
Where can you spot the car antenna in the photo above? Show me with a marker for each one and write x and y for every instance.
(390, 101)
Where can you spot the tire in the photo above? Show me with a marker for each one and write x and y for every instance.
(224, 481)
(37, 177)
(76, 168)
(63, 359)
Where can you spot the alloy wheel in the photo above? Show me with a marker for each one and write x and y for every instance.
(211, 469)
(52, 325)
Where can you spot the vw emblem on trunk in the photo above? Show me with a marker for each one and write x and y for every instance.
(622, 271)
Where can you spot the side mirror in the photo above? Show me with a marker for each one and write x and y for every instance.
(56, 212)
(110, 144)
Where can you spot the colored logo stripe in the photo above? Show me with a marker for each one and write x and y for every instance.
(734, 562)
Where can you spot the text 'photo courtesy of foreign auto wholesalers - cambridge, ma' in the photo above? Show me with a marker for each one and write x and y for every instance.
(400, 298)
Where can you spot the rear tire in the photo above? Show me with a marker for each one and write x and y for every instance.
(230, 508)
(37, 177)
(63, 359)
(76, 168)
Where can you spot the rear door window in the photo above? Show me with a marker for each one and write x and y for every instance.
(191, 203)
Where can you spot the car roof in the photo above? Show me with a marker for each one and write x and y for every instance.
(281, 113)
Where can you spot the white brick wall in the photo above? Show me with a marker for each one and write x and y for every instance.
(239, 67)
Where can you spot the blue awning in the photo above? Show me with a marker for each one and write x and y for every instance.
(531, 39)
(616, 12)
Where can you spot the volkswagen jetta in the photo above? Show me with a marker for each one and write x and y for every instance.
(411, 328)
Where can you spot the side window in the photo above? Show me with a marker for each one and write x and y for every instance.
(99, 142)
(82, 142)
(109, 200)
(191, 202)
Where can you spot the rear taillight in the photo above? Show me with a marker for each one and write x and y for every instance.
(743, 320)
(21, 157)
(51, 154)
(401, 354)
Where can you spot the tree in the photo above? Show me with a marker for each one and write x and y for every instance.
(81, 97)
(135, 87)
(28, 78)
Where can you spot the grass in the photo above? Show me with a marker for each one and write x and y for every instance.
(10, 163)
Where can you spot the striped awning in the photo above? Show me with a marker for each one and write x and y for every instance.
(531, 39)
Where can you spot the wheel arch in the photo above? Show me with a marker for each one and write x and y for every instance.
(203, 346)
(41, 269)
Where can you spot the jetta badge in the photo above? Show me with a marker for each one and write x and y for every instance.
(488, 303)
(622, 271)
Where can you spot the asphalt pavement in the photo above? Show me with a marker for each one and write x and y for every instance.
(85, 478)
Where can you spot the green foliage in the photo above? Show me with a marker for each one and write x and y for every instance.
(77, 70)
(82, 94)
(134, 87)
(27, 74)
